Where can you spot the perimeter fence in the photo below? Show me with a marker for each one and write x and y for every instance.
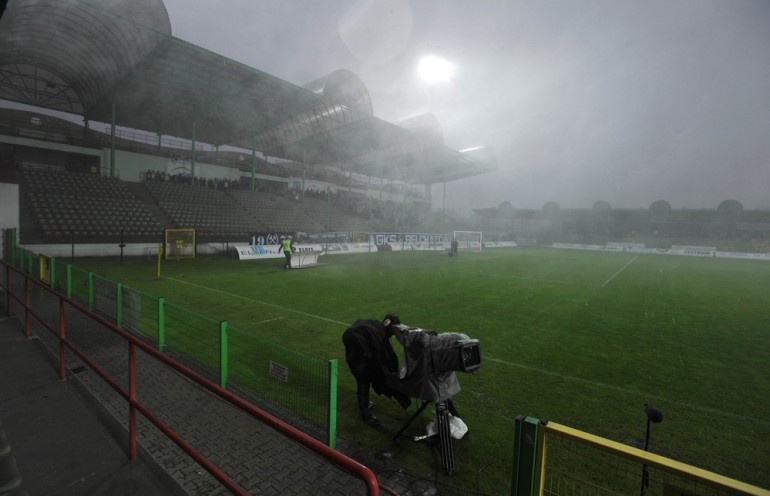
(296, 386)
(168, 407)
(551, 459)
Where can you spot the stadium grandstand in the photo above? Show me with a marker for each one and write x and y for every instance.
(174, 136)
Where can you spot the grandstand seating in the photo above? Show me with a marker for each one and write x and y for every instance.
(67, 206)
(212, 213)
(273, 212)
(336, 218)
(88, 207)
(308, 214)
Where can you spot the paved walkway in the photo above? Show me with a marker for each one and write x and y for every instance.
(69, 437)
(62, 441)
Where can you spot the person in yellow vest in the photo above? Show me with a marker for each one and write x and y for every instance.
(287, 245)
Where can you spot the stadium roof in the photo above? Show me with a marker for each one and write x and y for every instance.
(96, 57)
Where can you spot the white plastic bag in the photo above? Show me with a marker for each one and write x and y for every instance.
(457, 428)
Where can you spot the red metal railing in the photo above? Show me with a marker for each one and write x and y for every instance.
(345, 463)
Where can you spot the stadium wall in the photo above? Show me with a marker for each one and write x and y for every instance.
(690, 251)
(130, 166)
(9, 209)
(271, 251)
(9, 205)
(133, 166)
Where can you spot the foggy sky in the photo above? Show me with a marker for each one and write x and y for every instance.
(584, 100)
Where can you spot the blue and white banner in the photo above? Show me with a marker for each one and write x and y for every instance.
(253, 252)
(409, 238)
(256, 252)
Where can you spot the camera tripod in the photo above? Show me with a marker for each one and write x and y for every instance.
(443, 410)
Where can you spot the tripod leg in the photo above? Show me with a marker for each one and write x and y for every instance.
(416, 414)
(445, 437)
(450, 405)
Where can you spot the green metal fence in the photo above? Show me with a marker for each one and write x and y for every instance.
(289, 380)
(105, 298)
(79, 285)
(25, 260)
(286, 382)
(193, 335)
(144, 314)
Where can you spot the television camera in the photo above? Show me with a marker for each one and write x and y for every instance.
(431, 361)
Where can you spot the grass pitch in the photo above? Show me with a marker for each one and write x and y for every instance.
(581, 338)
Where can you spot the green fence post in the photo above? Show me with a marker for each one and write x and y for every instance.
(223, 353)
(331, 428)
(52, 269)
(69, 280)
(119, 306)
(524, 456)
(161, 324)
(16, 256)
(14, 249)
(91, 291)
(7, 246)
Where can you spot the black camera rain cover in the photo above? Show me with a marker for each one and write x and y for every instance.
(427, 372)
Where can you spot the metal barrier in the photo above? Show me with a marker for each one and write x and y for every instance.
(18, 285)
(553, 459)
(208, 346)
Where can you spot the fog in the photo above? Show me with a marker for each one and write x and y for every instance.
(622, 101)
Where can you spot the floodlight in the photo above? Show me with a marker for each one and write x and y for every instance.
(432, 69)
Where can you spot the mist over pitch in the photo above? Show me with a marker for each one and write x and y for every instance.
(623, 102)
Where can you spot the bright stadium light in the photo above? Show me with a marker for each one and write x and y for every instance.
(432, 69)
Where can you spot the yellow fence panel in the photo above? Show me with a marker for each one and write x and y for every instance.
(572, 462)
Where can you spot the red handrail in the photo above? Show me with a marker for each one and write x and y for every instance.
(346, 463)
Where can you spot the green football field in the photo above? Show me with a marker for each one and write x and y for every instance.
(584, 339)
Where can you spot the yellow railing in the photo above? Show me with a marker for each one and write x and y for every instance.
(551, 459)
(663, 475)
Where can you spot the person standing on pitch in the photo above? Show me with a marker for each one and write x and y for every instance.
(373, 363)
(287, 245)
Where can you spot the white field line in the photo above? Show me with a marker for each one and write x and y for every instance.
(705, 409)
(286, 309)
(618, 272)
(268, 320)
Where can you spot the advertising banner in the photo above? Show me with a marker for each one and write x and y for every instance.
(304, 255)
